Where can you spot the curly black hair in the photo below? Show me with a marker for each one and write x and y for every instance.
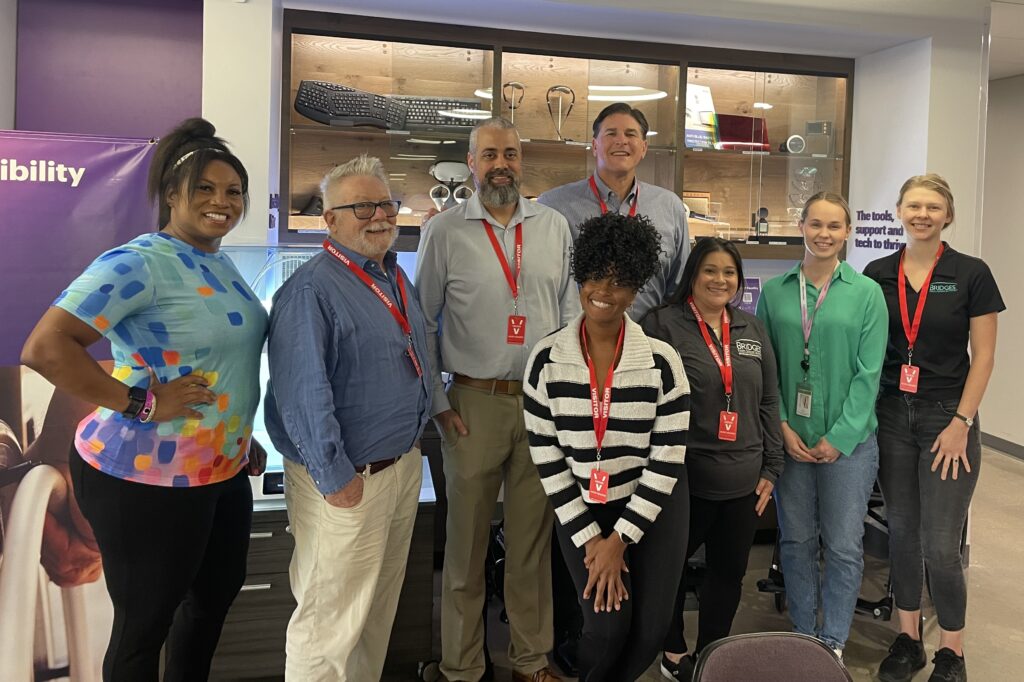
(616, 245)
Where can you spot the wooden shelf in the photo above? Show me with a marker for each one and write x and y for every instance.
(692, 153)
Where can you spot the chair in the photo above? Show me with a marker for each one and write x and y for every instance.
(770, 657)
(20, 584)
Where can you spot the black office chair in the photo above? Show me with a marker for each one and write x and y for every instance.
(770, 657)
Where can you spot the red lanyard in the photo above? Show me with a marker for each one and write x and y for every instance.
(403, 320)
(513, 282)
(911, 330)
(600, 408)
(604, 207)
(724, 367)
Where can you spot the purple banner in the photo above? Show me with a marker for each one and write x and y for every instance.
(64, 199)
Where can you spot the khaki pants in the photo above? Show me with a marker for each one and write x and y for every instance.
(347, 572)
(496, 451)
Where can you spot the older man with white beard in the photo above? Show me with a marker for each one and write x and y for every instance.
(493, 276)
(348, 397)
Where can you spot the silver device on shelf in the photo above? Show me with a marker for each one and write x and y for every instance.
(819, 137)
(560, 98)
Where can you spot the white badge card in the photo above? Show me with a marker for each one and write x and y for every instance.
(803, 399)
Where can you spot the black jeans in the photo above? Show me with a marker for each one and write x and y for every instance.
(926, 515)
(173, 559)
(618, 646)
(726, 528)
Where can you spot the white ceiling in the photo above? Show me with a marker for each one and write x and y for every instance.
(825, 27)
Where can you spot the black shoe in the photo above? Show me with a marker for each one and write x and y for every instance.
(683, 670)
(906, 656)
(948, 667)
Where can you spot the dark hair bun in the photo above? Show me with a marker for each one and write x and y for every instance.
(192, 129)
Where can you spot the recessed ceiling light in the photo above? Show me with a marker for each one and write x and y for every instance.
(624, 93)
(405, 210)
(416, 140)
(465, 113)
(762, 105)
(483, 93)
(652, 133)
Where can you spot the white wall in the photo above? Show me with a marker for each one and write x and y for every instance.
(241, 96)
(1002, 248)
(8, 60)
(891, 89)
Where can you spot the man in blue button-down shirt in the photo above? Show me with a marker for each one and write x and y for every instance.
(348, 397)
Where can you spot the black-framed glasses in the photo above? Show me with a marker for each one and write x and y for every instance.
(364, 210)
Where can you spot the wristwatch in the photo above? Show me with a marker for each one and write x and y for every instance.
(966, 420)
(136, 401)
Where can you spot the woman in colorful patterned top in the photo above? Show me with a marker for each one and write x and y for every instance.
(160, 471)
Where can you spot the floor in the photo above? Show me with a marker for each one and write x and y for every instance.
(995, 643)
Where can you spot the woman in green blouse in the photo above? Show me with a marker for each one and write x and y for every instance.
(828, 325)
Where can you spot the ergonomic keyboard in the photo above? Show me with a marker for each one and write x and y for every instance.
(340, 105)
(429, 113)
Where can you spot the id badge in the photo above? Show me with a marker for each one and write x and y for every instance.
(598, 486)
(727, 424)
(415, 361)
(908, 378)
(803, 399)
(516, 335)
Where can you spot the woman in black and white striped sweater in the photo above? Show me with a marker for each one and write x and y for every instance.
(607, 410)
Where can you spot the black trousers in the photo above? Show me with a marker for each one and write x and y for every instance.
(173, 559)
(726, 529)
(618, 646)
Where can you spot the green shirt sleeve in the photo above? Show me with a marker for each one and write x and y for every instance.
(848, 431)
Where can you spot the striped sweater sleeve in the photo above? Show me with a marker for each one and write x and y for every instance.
(557, 478)
(668, 446)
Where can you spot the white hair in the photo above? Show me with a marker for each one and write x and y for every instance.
(362, 165)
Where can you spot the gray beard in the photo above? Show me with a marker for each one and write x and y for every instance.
(502, 195)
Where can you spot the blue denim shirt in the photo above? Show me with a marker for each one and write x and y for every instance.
(343, 391)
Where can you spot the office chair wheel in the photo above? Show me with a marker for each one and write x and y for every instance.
(882, 612)
(429, 671)
(780, 601)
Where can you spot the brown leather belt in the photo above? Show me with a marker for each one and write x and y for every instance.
(492, 386)
(374, 467)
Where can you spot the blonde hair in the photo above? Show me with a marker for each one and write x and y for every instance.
(832, 198)
(935, 183)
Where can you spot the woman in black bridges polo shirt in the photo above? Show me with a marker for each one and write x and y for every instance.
(940, 302)
(735, 452)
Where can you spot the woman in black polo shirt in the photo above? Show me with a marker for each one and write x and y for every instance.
(735, 449)
(940, 302)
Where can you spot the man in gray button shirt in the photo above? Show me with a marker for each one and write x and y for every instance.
(620, 144)
(493, 278)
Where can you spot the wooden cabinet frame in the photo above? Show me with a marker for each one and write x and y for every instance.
(500, 40)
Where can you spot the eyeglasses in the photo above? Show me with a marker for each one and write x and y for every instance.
(364, 210)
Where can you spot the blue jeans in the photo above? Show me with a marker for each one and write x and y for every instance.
(826, 501)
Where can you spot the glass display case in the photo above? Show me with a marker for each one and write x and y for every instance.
(410, 105)
(757, 146)
(265, 269)
(553, 102)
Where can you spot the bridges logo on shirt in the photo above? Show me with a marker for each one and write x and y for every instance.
(942, 288)
(749, 348)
